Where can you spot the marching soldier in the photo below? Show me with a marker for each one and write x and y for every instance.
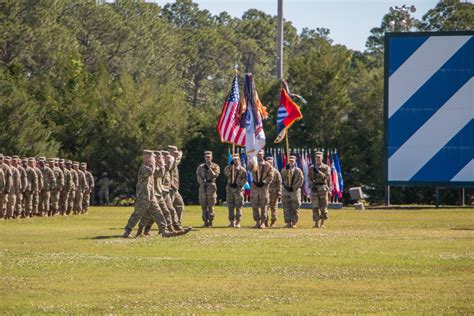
(8, 176)
(15, 190)
(81, 188)
(2, 188)
(262, 173)
(103, 185)
(236, 179)
(274, 190)
(75, 183)
(166, 186)
(319, 181)
(36, 197)
(31, 188)
(206, 175)
(292, 179)
(66, 190)
(175, 196)
(146, 203)
(56, 190)
(49, 183)
(88, 193)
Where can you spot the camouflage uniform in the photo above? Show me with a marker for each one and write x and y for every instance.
(49, 183)
(2, 188)
(145, 203)
(262, 175)
(56, 191)
(7, 173)
(66, 191)
(292, 181)
(206, 178)
(175, 196)
(236, 179)
(20, 199)
(31, 190)
(72, 194)
(319, 180)
(36, 196)
(103, 185)
(14, 192)
(274, 191)
(88, 193)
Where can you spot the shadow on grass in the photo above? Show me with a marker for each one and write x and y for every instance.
(462, 228)
(106, 237)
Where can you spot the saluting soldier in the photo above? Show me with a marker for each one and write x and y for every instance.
(274, 191)
(292, 181)
(56, 190)
(90, 191)
(236, 179)
(31, 188)
(262, 173)
(7, 174)
(206, 174)
(319, 181)
(145, 202)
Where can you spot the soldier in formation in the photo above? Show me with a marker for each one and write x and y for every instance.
(292, 181)
(236, 179)
(206, 175)
(41, 187)
(147, 207)
(319, 180)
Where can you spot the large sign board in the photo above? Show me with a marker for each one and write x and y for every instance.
(429, 108)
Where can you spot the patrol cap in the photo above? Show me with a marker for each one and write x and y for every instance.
(31, 159)
(83, 164)
(42, 159)
(147, 152)
(269, 158)
(318, 153)
(172, 148)
(1, 156)
(7, 158)
(292, 157)
(75, 163)
(165, 153)
(236, 156)
(61, 160)
(51, 160)
(67, 162)
(24, 159)
(15, 157)
(208, 153)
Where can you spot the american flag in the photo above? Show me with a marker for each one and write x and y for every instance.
(228, 125)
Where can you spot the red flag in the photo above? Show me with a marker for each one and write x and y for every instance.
(288, 113)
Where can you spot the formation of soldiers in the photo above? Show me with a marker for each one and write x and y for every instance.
(157, 195)
(43, 187)
(269, 185)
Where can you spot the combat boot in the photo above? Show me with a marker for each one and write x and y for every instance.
(294, 225)
(210, 223)
(266, 223)
(206, 224)
(272, 222)
(146, 231)
(257, 224)
(231, 224)
(139, 232)
(126, 234)
(316, 224)
(262, 225)
(288, 225)
(322, 224)
(167, 234)
(237, 224)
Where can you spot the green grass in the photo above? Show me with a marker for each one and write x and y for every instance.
(364, 262)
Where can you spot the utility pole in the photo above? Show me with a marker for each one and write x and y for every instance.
(279, 52)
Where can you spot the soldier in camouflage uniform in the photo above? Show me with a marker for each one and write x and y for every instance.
(8, 176)
(31, 188)
(2, 188)
(206, 174)
(319, 181)
(15, 190)
(262, 173)
(166, 186)
(49, 183)
(67, 188)
(274, 190)
(20, 210)
(91, 184)
(146, 203)
(176, 198)
(56, 190)
(103, 185)
(236, 179)
(75, 184)
(81, 188)
(292, 181)
(36, 197)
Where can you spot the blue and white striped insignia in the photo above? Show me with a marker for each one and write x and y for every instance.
(430, 108)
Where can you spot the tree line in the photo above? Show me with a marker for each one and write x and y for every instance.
(103, 80)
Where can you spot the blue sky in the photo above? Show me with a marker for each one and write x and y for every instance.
(349, 21)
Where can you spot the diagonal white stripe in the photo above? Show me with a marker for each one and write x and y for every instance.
(433, 135)
(466, 173)
(419, 67)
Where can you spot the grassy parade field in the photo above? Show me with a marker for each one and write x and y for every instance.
(374, 261)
